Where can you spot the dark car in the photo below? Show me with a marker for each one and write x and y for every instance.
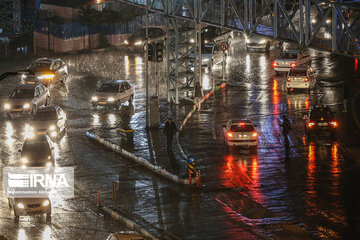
(50, 120)
(137, 39)
(318, 119)
(38, 151)
(211, 34)
(46, 71)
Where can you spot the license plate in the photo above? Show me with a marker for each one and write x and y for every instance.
(16, 110)
(101, 102)
(323, 124)
(42, 132)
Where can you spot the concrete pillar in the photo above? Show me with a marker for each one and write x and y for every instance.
(154, 112)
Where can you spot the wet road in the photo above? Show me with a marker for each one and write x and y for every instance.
(317, 183)
(284, 190)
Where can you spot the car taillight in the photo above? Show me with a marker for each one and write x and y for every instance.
(306, 79)
(334, 123)
(254, 134)
(230, 134)
(311, 124)
(288, 79)
(293, 65)
(275, 64)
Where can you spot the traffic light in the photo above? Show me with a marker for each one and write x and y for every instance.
(159, 52)
(151, 52)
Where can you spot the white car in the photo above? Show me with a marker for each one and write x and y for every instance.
(112, 93)
(257, 42)
(30, 206)
(240, 133)
(300, 78)
(289, 59)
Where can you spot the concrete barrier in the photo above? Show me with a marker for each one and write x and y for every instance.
(157, 169)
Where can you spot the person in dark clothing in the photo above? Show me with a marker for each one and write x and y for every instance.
(198, 95)
(169, 130)
(286, 127)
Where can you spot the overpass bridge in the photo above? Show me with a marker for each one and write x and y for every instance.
(332, 26)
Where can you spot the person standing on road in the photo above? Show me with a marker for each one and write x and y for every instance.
(345, 97)
(169, 130)
(286, 127)
(198, 95)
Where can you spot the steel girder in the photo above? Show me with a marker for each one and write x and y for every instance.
(329, 25)
(10, 17)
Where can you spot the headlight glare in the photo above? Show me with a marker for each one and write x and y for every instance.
(49, 164)
(24, 160)
(53, 134)
(94, 98)
(126, 42)
(111, 99)
(26, 106)
(20, 205)
(138, 43)
(52, 128)
(7, 106)
(46, 203)
(262, 41)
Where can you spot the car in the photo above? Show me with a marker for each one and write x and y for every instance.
(45, 71)
(257, 42)
(50, 120)
(37, 151)
(212, 34)
(289, 59)
(26, 99)
(319, 119)
(125, 235)
(206, 51)
(137, 39)
(240, 133)
(303, 77)
(112, 93)
(217, 56)
(30, 206)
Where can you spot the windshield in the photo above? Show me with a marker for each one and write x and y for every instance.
(38, 150)
(109, 88)
(23, 93)
(296, 72)
(321, 114)
(40, 66)
(45, 116)
(288, 56)
(139, 35)
(206, 49)
(242, 128)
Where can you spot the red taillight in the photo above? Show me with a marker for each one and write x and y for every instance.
(230, 134)
(275, 64)
(241, 124)
(311, 124)
(293, 65)
(254, 134)
(334, 123)
(306, 79)
(288, 79)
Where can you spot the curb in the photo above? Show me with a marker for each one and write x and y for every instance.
(130, 224)
(157, 169)
(218, 87)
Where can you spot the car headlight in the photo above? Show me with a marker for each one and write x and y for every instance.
(20, 205)
(23, 76)
(53, 134)
(46, 76)
(52, 128)
(206, 41)
(7, 106)
(247, 40)
(49, 164)
(192, 40)
(26, 106)
(262, 41)
(126, 42)
(138, 43)
(24, 160)
(94, 98)
(46, 203)
(111, 99)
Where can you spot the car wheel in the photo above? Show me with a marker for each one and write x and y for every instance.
(47, 103)
(64, 78)
(131, 99)
(16, 215)
(34, 109)
(267, 48)
(118, 105)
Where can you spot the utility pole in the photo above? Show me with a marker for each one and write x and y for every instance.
(147, 64)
